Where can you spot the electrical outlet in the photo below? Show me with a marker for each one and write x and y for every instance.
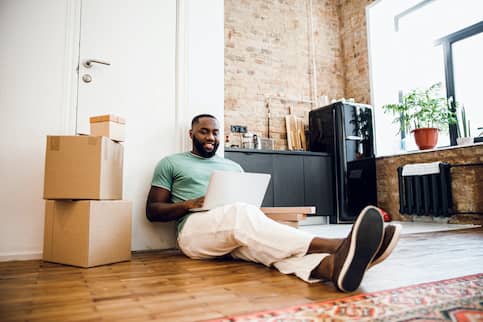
(238, 129)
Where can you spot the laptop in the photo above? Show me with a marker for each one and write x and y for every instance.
(226, 187)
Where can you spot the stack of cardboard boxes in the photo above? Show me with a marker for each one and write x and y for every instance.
(86, 221)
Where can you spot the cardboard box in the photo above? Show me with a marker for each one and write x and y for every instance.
(87, 233)
(111, 126)
(83, 167)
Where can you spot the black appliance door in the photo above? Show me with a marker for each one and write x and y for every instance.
(358, 168)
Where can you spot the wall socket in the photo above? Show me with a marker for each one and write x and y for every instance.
(238, 129)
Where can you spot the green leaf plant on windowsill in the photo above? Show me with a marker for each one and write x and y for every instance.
(463, 127)
(423, 112)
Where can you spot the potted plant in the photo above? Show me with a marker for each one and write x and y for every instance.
(423, 112)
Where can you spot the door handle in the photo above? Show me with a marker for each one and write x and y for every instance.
(354, 138)
(88, 63)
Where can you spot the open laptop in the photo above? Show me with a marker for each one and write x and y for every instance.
(227, 187)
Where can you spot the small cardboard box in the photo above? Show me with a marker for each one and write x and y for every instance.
(111, 126)
(83, 167)
(88, 232)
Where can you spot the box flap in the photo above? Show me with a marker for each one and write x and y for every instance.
(111, 172)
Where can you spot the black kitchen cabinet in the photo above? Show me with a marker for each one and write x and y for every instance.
(288, 180)
(297, 178)
(318, 184)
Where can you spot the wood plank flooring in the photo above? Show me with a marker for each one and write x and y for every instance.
(166, 286)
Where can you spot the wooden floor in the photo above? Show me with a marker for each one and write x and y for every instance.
(166, 286)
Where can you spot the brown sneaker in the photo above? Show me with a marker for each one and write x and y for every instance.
(357, 251)
(392, 232)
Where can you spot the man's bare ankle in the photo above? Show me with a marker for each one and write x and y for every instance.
(325, 269)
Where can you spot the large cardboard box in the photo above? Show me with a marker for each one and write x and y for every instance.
(87, 233)
(83, 167)
(108, 125)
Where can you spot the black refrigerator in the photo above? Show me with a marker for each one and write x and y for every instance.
(346, 131)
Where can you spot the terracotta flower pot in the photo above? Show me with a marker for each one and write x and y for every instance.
(426, 137)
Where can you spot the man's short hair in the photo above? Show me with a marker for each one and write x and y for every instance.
(197, 117)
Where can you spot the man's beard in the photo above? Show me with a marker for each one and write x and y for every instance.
(201, 150)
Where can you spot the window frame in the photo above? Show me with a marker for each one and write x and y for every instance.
(447, 43)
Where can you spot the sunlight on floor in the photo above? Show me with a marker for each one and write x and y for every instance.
(341, 230)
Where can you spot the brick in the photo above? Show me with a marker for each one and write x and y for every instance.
(277, 57)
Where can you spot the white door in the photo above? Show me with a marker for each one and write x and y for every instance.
(132, 46)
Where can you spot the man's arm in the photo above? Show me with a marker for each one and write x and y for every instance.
(159, 207)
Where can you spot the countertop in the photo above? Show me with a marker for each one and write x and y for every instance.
(250, 151)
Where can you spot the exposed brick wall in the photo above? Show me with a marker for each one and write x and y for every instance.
(467, 182)
(353, 33)
(267, 52)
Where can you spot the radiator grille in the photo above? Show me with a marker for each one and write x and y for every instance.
(426, 194)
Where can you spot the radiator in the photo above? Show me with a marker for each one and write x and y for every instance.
(426, 194)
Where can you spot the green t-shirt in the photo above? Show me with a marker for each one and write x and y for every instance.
(186, 176)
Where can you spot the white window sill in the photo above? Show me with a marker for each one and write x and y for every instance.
(429, 151)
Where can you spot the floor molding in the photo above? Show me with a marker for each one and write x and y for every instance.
(5, 257)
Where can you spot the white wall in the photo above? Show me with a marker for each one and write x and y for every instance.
(32, 55)
(202, 63)
(37, 97)
(200, 88)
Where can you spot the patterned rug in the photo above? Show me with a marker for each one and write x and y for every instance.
(458, 299)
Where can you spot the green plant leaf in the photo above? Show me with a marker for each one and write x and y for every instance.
(423, 108)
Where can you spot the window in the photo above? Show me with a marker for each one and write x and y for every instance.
(407, 50)
(463, 68)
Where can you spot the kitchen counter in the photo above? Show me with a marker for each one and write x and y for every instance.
(249, 151)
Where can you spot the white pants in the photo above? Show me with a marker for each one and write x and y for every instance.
(246, 233)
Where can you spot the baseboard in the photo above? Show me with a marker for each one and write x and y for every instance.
(4, 257)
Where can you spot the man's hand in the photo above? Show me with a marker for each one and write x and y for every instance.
(194, 203)
(160, 208)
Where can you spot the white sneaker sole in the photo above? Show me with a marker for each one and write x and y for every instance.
(366, 238)
(391, 246)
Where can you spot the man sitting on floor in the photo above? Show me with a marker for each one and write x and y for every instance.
(243, 231)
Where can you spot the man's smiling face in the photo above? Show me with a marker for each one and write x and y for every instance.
(205, 136)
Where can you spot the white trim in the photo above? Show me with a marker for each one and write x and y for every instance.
(181, 76)
(370, 5)
(20, 256)
(71, 59)
(369, 66)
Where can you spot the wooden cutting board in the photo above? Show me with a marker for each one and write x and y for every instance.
(295, 132)
(301, 134)
(291, 125)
